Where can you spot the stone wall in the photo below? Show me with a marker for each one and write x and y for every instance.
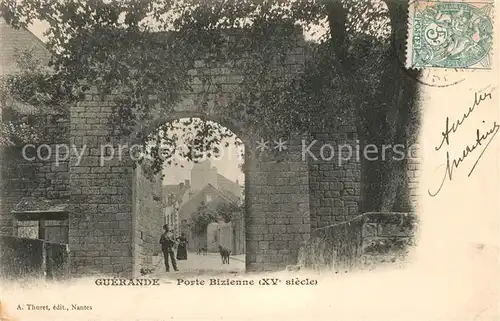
(365, 242)
(387, 237)
(277, 200)
(211, 237)
(219, 233)
(230, 235)
(101, 223)
(148, 219)
(41, 173)
(238, 235)
(284, 198)
(334, 176)
(21, 257)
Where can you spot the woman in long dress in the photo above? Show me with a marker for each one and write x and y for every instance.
(182, 247)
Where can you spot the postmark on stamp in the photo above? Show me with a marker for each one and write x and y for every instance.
(450, 34)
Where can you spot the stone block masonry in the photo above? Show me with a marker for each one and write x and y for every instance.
(335, 179)
(101, 222)
(148, 212)
(36, 175)
(115, 221)
(387, 238)
(113, 225)
(278, 218)
(38, 178)
(107, 229)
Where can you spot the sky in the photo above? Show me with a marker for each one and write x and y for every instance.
(227, 162)
(226, 166)
(38, 28)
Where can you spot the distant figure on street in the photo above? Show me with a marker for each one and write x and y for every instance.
(182, 247)
(167, 246)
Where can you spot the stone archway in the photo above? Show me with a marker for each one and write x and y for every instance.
(101, 227)
(149, 216)
(278, 193)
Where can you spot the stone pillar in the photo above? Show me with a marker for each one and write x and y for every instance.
(335, 175)
(100, 227)
(277, 198)
(148, 219)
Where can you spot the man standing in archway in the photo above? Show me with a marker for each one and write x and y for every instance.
(167, 246)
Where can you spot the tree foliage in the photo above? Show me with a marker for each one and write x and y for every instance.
(27, 97)
(183, 139)
(148, 54)
(200, 220)
(228, 211)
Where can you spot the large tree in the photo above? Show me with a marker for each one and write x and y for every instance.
(145, 52)
(201, 219)
(228, 211)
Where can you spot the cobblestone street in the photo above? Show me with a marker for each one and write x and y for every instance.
(209, 264)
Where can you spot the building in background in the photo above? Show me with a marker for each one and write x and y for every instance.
(209, 187)
(212, 189)
(175, 196)
(203, 174)
(13, 41)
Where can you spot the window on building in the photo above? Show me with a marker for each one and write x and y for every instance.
(28, 229)
(41, 218)
(55, 231)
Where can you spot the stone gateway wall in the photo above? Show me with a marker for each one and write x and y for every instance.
(101, 221)
(334, 176)
(115, 221)
(278, 217)
(112, 228)
(40, 178)
(102, 233)
(148, 219)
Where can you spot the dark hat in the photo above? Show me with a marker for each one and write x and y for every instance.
(165, 227)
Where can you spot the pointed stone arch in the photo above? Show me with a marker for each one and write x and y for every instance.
(103, 229)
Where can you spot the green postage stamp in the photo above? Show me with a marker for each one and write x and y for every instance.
(450, 34)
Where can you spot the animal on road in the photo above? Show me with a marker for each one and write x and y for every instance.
(202, 250)
(224, 254)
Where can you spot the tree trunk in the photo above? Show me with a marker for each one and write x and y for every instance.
(337, 18)
(384, 181)
(396, 194)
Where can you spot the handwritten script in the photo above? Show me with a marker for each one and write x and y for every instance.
(482, 139)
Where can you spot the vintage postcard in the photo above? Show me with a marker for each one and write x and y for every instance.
(249, 160)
